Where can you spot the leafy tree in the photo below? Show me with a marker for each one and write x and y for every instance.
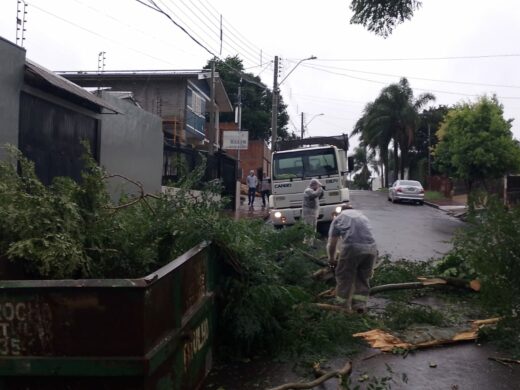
(382, 16)
(476, 143)
(256, 99)
(490, 246)
(425, 140)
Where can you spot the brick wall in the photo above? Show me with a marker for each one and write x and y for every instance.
(257, 157)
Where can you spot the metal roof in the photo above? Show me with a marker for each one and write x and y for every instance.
(221, 96)
(41, 77)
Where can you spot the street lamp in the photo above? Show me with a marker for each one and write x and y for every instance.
(304, 126)
(276, 96)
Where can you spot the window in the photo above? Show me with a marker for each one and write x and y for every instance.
(196, 108)
(305, 164)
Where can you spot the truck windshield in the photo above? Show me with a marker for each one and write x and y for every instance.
(304, 164)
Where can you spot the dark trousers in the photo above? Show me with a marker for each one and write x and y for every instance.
(265, 197)
(251, 194)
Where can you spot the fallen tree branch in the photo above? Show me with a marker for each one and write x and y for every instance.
(142, 196)
(325, 273)
(327, 293)
(473, 285)
(345, 371)
(326, 306)
(504, 361)
(312, 258)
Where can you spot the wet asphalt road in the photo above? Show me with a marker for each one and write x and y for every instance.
(406, 230)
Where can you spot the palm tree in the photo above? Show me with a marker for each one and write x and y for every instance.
(375, 135)
(392, 118)
(364, 161)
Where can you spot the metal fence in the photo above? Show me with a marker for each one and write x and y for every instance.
(180, 160)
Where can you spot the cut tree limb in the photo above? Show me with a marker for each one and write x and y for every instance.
(473, 285)
(344, 371)
(504, 361)
(314, 259)
(326, 306)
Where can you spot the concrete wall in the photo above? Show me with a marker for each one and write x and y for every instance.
(11, 80)
(163, 97)
(131, 146)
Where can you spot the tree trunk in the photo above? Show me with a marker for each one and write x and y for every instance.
(396, 159)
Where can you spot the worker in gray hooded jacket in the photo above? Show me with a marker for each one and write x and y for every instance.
(311, 203)
(351, 236)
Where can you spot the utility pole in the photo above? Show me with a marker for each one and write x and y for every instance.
(429, 160)
(100, 68)
(21, 22)
(239, 122)
(274, 118)
(211, 130)
(303, 127)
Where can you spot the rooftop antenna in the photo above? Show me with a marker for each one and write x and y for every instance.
(21, 21)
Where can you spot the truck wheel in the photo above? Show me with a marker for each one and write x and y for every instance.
(323, 228)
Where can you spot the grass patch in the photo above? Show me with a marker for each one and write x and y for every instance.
(433, 195)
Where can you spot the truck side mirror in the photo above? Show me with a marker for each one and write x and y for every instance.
(350, 164)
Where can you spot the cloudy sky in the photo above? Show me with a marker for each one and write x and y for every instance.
(456, 49)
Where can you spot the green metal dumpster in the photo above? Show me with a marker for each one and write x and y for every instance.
(150, 333)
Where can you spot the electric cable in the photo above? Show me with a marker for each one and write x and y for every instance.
(413, 77)
(240, 35)
(216, 24)
(419, 58)
(99, 35)
(418, 89)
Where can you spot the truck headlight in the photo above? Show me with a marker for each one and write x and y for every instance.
(277, 214)
(337, 210)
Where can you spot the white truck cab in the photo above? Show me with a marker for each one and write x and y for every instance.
(291, 172)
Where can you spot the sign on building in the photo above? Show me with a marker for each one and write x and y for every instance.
(235, 140)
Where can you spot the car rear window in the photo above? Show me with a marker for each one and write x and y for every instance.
(410, 183)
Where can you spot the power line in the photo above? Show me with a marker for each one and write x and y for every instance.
(416, 78)
(133, 28)
(236, 31)
(157, 9)
(236, 71)
(418, 89)
(419, 58)
(99, 35)
(216, 24)
(194, 36)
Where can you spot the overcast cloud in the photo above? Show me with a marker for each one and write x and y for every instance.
(353, 64)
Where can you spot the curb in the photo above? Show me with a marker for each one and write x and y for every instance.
(431, 204)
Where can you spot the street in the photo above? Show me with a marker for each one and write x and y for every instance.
(406, 230)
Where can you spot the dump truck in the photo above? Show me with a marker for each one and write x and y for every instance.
(291, 172)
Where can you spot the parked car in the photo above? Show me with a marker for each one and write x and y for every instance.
(410, 190)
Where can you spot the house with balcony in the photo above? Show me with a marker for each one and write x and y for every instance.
(180, 97)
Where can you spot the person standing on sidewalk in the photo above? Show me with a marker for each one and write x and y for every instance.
(252, 183)
(357, 256)
(265, 190)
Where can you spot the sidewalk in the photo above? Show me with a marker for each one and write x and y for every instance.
(454, 207)
(257, 211)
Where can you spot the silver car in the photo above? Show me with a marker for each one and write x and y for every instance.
(410, 190)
